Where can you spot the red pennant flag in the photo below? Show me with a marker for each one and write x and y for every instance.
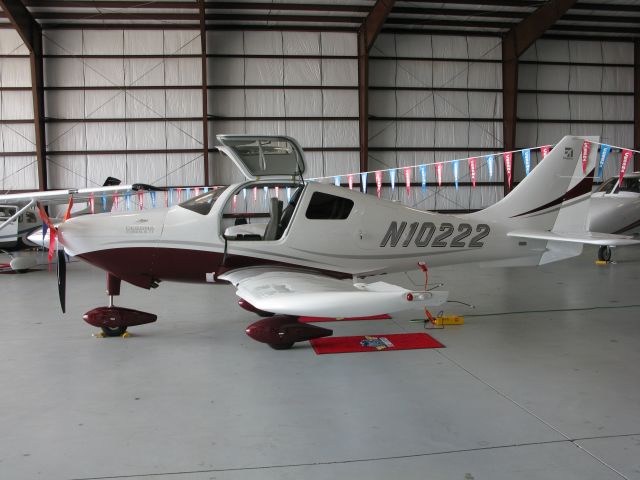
(92, 203)
(508, 158)
(67, 214)
(439, 173)
(350, 177)
(140, 199)
(545, 150)
(472, 170)
(179, 195)
(235, 202)
(378, 183)
(407, 179)
(166, 198)
(627, 156)
(116, 201)
(586, 147)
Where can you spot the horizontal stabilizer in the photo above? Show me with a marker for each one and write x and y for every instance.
(588, 238)
(302, 293)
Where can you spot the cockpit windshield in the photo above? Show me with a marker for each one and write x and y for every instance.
(628, 184)
(202, 203)
(607, 186)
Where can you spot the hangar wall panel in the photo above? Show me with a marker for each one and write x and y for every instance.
(576, 87)
(18, 166)
(123, 103)
(301, 84)
(431, 99)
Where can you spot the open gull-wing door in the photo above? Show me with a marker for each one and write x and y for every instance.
(260, 156)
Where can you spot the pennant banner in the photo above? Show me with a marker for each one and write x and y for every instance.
(625, 160)
(407, 179)
(363, 181)
(423, 177)
(104, 202)
(336, 181)
(455, 173)
(350, 179)
(545, 150)
(586, 147)
(255, 194)
(439, 173)
(152, 194)
(92, 203)
(508, 158)
(392, 176)
(472, 170)
(378, 182)
(526, 160)
(116, 201)
(604, 153)
(490, 164)
(140, 199)
(288, 194)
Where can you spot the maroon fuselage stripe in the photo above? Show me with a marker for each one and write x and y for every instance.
(144, 266)
(584, 186)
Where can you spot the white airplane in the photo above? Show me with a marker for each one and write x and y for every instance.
(296, 262)
(615, 208)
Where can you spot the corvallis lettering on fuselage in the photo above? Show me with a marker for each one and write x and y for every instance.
(427, 234)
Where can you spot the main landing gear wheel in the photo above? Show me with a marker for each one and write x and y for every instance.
(604, 253)
(114, 331)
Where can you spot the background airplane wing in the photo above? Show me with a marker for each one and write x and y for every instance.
(298, 292)
(62, 196)
(589, 238)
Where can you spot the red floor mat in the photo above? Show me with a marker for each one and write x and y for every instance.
(348, 319)
(374, 343)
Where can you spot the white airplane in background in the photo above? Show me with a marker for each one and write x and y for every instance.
(296, 262)
(615, 208)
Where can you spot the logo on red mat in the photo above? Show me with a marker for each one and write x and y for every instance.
(379, 343)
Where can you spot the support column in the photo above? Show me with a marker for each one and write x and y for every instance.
(205, 103)
(636, 103)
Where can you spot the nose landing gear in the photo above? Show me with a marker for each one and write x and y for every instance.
(113, 320)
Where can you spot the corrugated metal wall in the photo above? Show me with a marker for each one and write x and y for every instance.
(576, 87)
(437, 98)
(432, 98)
(301, 84)
(18, 169)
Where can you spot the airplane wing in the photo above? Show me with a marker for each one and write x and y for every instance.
(589, 238)
(299, 292)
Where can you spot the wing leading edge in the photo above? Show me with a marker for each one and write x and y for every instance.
(303, 293)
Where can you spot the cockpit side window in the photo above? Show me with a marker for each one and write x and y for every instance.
(630, 185)
(202, 203)
(324, 206)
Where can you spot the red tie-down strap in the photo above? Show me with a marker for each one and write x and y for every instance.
(52, 229)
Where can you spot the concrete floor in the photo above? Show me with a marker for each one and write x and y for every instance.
(552, 391)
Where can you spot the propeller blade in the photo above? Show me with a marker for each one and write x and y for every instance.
(62, 278)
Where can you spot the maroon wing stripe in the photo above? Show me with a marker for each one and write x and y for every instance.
(580, 189)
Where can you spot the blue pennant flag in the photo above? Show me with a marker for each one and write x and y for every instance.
(392, 176)
(187, 193)
(604, 153)
(153, 198)
(363, 179)
(288, 194)
(336, 181)
(104, 202)
(244, 194)
(127, 200)
(266, 193)
(423, 175)
(490, 164)
(526, 159)
(170, 199)
(455, 172)
(205, 189)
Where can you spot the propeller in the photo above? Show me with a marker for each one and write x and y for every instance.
(62, 278)
(61, 269)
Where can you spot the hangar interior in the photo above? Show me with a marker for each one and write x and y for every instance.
(540, 381)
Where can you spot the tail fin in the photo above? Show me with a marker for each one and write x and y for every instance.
(555, 195)
(552, 202)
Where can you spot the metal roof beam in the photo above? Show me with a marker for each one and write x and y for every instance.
(367, 34)
(636, 102)
(31, 35)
